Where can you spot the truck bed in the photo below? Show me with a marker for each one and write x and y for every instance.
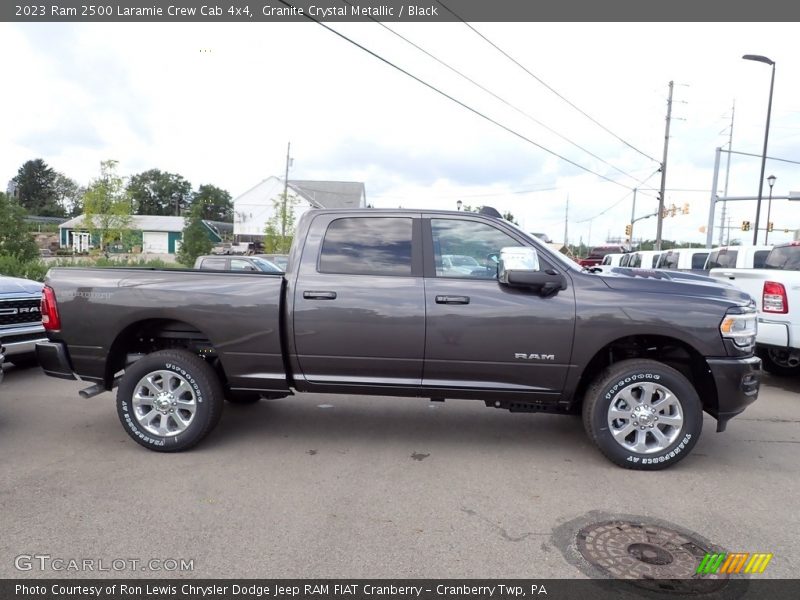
(239, 315)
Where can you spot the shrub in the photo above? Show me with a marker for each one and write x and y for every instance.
(28, 269)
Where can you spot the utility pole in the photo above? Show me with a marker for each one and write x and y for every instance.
(727, 176)
(566, 223)
(285, 194)
(664, 171)
(633, 214)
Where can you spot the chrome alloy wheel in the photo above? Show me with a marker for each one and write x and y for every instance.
(164, 403)
(645, 418)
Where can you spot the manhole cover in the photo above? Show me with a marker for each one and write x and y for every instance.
(654, 557)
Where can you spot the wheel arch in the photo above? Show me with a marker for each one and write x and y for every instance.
(149, 335)
(662, 348)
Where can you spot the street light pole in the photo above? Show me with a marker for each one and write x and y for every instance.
(771, 181)
(770, 62)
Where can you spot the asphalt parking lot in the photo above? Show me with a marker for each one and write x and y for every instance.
(339, 486)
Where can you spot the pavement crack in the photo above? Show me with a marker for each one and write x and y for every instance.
(500, 530)
(775, 441)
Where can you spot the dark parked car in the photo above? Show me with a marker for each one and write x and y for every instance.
(362, 309)
(235, 263)
(20, 319)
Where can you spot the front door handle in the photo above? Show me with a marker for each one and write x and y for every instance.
(452, 299)
(319, 295)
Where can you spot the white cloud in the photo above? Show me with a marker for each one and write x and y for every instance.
(218, 102)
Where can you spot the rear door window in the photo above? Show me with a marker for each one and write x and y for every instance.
(216, 264)
(367, 246)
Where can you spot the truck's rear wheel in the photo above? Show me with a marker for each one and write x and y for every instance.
(169, 400)
(780, 361)
(642, 414)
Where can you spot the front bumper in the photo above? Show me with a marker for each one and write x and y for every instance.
(737, 381)
(22, 340)
(54, 360)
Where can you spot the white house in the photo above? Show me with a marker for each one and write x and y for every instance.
(255, 207)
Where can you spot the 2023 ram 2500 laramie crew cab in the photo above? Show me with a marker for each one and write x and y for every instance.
(367, 306)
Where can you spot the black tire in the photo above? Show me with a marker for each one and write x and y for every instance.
(635, 378)
(202, 392)
(778, 361)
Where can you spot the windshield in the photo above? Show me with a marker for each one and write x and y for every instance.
(265, 265)
(722, 259)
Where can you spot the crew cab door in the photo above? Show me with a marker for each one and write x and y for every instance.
(484, 336)
(359, 301)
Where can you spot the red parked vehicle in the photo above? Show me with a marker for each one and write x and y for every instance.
(598, 253)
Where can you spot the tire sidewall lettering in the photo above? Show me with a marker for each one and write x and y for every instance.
(637, 378)
(131, 424)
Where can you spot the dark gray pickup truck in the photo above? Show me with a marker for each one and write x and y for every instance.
(367, 306)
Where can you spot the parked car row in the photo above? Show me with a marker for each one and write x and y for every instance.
(699, 260)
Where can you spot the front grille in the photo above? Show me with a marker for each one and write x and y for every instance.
(20, 312)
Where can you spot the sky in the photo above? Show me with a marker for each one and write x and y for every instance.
(219, 102)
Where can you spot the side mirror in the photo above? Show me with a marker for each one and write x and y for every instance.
(519, 267)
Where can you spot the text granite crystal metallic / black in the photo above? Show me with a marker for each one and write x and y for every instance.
(367, 306)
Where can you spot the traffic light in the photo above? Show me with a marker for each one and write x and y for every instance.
(628, 229)
(745, 225)
(769, 226)
(685, 208)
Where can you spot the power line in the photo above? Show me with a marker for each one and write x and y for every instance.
(451, 98)
(509, 57)
(492, 195)
(608, 208)
(496, 96)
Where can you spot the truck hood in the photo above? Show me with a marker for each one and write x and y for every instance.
(672, 282)
(10, 286)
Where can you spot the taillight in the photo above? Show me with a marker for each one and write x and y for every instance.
(50, 318)
(774, 299)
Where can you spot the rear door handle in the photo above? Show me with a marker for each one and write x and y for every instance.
(452, 299)
(319, 295)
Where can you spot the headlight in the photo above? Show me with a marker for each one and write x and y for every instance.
(740, 326)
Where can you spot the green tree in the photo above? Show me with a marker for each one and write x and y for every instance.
(279, 232)
(509, 216)
(157, 192)
(217, 205)
(14, 237)
(36, 189)
(107, 205)
(69, 195)
(195, 241)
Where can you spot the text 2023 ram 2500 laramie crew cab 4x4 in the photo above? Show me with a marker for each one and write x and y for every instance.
(367, 306)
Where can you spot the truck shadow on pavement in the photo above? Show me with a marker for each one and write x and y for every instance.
(323, 420)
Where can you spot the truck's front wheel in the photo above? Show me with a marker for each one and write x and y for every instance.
(169, 400)
(643, 414)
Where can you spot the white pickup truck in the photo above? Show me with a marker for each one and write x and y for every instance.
(776, 290)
